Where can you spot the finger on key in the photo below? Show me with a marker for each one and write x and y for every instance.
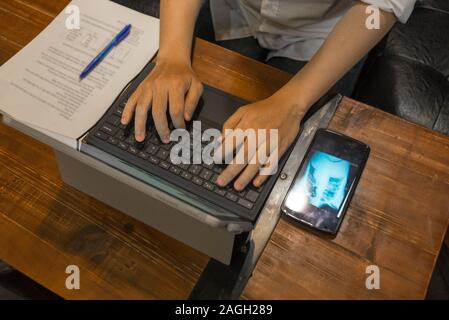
(262, 178)
(229, 141)
(143, 105)
(231, 123)
(131, 106)
(238, 164)
(253, 167)
(192, 99)
(176, 105)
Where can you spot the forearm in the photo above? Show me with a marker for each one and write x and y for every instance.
(349, 42)
(177, 27)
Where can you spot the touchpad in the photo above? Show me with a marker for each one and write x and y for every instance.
(218, 107)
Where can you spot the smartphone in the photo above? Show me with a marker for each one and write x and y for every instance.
(322, 189)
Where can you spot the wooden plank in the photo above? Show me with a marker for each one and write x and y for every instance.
(236, 74)
(7, 49)
(36, 205)
(44, 7)
(17, 28)
(21, 21)
(397, 220)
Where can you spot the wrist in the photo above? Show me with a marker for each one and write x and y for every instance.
(173, 58)
(290, 104)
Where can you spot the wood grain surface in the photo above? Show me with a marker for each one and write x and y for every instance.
(397, 220)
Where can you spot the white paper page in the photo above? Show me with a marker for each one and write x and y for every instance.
(40, 86)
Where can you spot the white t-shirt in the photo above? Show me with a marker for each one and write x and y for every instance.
(290, 28)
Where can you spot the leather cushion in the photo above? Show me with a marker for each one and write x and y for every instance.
(408, 73)
(425, 38)
(441, 5)
(408, 89)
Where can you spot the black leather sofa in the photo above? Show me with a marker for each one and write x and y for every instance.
(408, 73)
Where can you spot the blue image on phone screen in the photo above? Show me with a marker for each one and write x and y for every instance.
(323, 184)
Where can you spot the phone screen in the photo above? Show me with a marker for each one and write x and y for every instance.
(322, 187)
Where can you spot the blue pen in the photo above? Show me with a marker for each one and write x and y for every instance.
(118, 38)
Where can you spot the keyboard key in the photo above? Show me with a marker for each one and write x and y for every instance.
(245, 203)
(220, 192)
(252, 196)
(206, 174)
(119, 112)
(232, 196)
(131, 140)
(129, 129)
(167, 146)
(120, 135)
(258, 190)
(109, 129)
(184, 166)
(133, 150)
(197, 181)
(140, 145)
(165, 165)
(113, 141)
(242, 194)
(208, 166)
(114, 120)
(154, 160)
(123, 145)
(195, 169)
(101, 135)
(143, 155)
(214, 179)
(154, 139)
(186, 175)
(209, 186)
(175, 170)
(218, 169)
(152, 149)
(163, 154)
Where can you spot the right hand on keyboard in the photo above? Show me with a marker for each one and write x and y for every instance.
(169, 84)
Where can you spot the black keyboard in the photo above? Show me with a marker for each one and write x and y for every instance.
(153, 153)
(153, 156)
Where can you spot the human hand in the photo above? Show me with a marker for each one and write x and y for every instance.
(170, 85)
(274, 113)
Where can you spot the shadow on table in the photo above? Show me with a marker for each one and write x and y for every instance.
(16, 286)
(439, 284)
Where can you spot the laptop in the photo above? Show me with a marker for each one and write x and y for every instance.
(149, 161)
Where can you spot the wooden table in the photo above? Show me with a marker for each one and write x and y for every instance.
(397, 218)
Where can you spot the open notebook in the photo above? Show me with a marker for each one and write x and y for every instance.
(40, 85)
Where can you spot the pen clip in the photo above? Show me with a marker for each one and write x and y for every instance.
(123, 34)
